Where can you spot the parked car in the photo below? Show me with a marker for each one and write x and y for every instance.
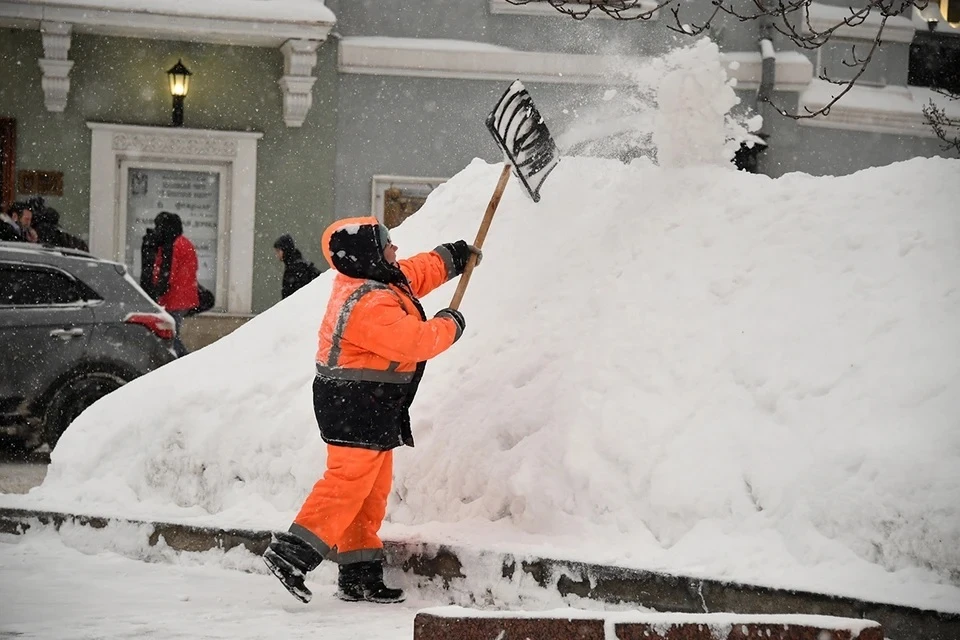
(73, 328)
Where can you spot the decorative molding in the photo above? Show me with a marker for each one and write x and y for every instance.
(896, 110)
(537, 8)
(823, 17)
(299, 59)
(178, 148)
(255, 24)
(56, 39)
(55, 65)
(477, 61)
(199, 146)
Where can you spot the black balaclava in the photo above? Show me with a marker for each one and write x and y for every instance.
(357, 251)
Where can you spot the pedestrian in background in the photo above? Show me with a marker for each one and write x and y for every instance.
(16, 224)
(173, 282)
(297, 272)
(46, 222)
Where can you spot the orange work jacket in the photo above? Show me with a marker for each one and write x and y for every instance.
(375, 338)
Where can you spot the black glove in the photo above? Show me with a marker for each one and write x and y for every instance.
(456, 316)
(460, 251)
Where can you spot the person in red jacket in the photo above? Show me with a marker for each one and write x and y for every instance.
(174, 282)
(373, 344)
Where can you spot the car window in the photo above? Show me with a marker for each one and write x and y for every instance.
(36, 286)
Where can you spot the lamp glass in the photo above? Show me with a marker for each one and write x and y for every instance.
(179, 85)
(179, 79)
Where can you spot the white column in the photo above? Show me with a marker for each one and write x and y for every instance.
(299, 58)
(55, 66)
(243, 219)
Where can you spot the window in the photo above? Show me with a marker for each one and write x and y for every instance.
(196, 197)
(935, 61)
(22, 286)
(396, 198)
(208, 178)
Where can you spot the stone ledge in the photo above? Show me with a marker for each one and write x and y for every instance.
(445, 564)
(206, 328)
(435, 624)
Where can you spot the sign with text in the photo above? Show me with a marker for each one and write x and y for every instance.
(192, 195)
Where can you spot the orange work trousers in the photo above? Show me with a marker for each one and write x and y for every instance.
(343, 513)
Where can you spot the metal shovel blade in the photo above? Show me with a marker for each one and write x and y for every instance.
(519, 130)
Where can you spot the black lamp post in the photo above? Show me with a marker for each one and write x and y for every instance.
(179, 85)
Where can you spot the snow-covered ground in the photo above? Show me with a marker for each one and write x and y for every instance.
(66, 585)
(52, 590)
(678, 367)
(89, 593)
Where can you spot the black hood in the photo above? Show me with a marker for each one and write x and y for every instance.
(168, 226)
(353, 247)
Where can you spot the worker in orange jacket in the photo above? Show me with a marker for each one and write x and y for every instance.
(374, 341)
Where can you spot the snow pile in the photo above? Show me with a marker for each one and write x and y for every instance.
(698, 370)
(682, 368)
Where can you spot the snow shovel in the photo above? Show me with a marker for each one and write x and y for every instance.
(520, 132)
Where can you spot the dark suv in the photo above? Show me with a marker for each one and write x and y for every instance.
(73, 328)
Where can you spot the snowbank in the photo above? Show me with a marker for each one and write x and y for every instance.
(696, 370)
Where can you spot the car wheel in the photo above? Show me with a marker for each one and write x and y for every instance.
(73, 398)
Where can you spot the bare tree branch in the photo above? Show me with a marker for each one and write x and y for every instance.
(859, 63)
(617, 9)
(936, 117)
(789, 18)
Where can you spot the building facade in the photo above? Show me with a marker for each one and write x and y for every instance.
(300, 112)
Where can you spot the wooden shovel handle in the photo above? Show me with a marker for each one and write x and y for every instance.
(481, 235)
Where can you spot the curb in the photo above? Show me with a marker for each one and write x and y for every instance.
(428, 625)
(659, 591)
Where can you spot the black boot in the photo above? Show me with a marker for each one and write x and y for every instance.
(364, 581)
(290, 559)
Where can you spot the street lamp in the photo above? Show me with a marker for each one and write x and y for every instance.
(179, 85)
(950, 10)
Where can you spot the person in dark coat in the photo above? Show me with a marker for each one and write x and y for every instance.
(10, 230)
(15, 224)
(297, 272)
(46, 222)
(173, 278)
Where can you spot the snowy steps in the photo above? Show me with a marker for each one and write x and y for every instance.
(460, 570)
(455, 623)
